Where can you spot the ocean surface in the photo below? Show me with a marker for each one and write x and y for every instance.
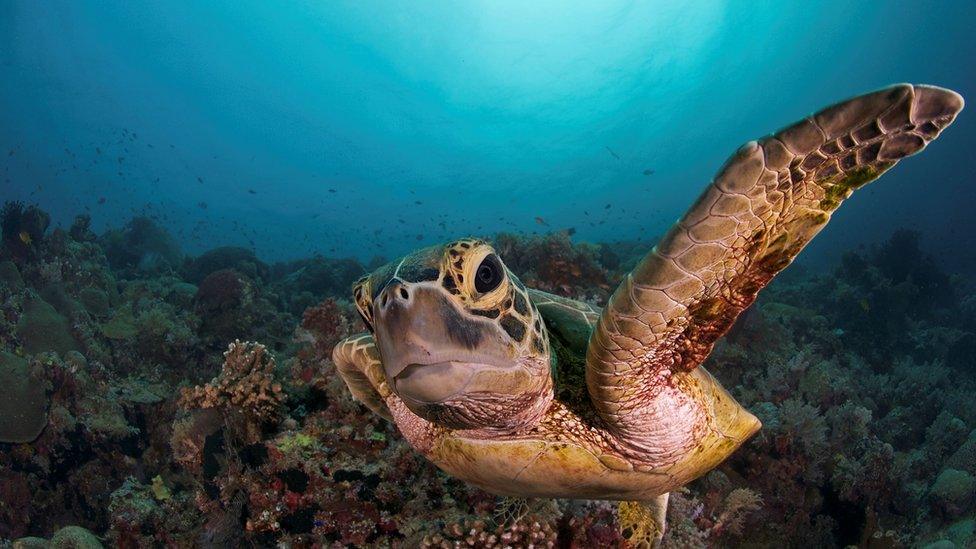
(176, 176)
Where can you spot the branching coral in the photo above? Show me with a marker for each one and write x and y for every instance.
(246, 383)
(738, 505)
(526, 532)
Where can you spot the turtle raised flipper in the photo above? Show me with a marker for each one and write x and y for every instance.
(358, 362)
(530, 395)
(764, 206)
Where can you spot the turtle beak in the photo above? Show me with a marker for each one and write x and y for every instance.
(433, 383)
(456, 369)
(430, 349)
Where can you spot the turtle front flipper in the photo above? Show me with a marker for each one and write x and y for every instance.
(358, 362)
(768, 201)
(642, 523)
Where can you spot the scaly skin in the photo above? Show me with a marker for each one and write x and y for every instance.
(764, 206)
(460, 362)
(586, 454)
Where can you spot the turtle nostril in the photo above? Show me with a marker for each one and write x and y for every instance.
(403, 293)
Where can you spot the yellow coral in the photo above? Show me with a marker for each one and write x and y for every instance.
(159, 489)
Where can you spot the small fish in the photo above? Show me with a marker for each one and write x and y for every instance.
(420, 237)
(332, 190)
(199, 179)
(865, 306)
(571, 231)
(101, 200)
(202, 205)
(609, 150)
(541, 221)
(25, 237)
(648, 172)
(252, 191)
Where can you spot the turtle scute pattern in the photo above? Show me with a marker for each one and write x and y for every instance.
(639, 525)
(764, 206)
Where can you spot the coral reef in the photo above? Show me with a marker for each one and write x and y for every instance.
(22, 228)
(23, 402)
(554, 264)
(246, 385)
(121, 423)
(239, 259)
(143, 246)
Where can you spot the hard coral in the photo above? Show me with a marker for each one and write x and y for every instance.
(554, 264)
(239, 259)
(327, 323)
(222, 290)
(527, 532)
(223, 301)
(319, 275)
(23, 402)
(23, 229)
(738, 505)
(246, 383)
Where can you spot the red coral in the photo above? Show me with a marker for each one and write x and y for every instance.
(327, 324)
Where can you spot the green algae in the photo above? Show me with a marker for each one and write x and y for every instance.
(58, 298)
(74, 537)
(840, 188)
(23, 402)
(31, 543)
(120, 327)
(160, 490)
(298, 444)
(95, 301)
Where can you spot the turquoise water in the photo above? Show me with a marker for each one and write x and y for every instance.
(188, 191)
(371, 128)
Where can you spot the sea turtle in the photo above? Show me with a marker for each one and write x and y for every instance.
(528, 394)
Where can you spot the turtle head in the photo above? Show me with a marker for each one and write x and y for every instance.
(461, 343)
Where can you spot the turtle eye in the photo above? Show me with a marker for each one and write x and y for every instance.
(489, 274)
